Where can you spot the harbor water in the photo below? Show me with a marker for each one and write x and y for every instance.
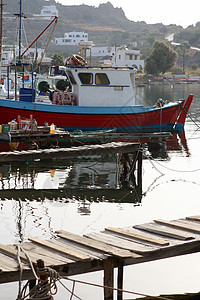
(85, 195)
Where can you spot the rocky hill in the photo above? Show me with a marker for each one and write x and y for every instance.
(106, 26)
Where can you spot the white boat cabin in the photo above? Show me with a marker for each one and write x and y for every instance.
(98, 86)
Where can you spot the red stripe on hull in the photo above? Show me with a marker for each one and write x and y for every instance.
(165, 115)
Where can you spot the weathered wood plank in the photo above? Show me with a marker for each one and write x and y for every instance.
(165, 231)
(8, 264)
(156, 241)
(49, 256)
(193, 218)
(95, 244)
(58, 248)
(120, 242)
(92, 253)
(180, 224)
(12, 251)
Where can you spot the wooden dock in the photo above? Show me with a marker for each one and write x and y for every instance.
(71, 254)
(63, 153)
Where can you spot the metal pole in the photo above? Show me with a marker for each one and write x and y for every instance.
(184, 58)
(20, 29)
(1, 30)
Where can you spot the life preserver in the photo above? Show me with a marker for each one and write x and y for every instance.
(78, 60)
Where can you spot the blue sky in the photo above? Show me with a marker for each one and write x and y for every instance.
(178, 12)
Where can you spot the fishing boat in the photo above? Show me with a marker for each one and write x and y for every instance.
(99, 98)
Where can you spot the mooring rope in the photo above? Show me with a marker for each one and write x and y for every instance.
(43, 290)
(189, 114)
(170, 169)
(112, 288)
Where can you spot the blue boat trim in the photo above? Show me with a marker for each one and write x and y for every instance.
(94, 110)
(147, 128)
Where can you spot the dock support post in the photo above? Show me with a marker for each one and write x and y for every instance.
(42, 288)
(120, 281)
(139, 169)
(108, 267)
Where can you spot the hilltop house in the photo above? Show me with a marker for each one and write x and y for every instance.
(72, 38)
(48, 12)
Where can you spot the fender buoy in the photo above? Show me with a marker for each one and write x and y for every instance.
(78, 60)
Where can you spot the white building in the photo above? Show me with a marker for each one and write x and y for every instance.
(6, 55)
(102, 51)
(72, 38)
(48, 12)
(122, 57)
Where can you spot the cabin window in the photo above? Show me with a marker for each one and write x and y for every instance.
(101, 78)
(71, 77)
(86, 78)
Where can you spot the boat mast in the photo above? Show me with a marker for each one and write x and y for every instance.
(20, 29)
(1, 31)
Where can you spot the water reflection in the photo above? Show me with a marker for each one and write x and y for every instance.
(175, 142)
(93, 178)
(38, 198)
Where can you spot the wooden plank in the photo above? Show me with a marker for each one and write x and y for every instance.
(96, 244)
(156, 241)
(58, 248)
(50, 257)
(165, 231)
(93, 254)
(182, 225)
(194, 218)
(8, 264)
(121, 243)
(12, 250)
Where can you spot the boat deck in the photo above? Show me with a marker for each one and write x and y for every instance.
(71, 254)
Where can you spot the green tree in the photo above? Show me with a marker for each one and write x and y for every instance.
(194, 67)
(161, 59)
(57, 59)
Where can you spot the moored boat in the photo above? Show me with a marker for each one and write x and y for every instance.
(101, 98)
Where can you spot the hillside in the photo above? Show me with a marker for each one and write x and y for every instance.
(106, 25)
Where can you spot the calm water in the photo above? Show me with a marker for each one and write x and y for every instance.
(85, 195)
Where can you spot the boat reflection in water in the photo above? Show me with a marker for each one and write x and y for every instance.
(175, 142)
(94, 178)
(34, 192)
